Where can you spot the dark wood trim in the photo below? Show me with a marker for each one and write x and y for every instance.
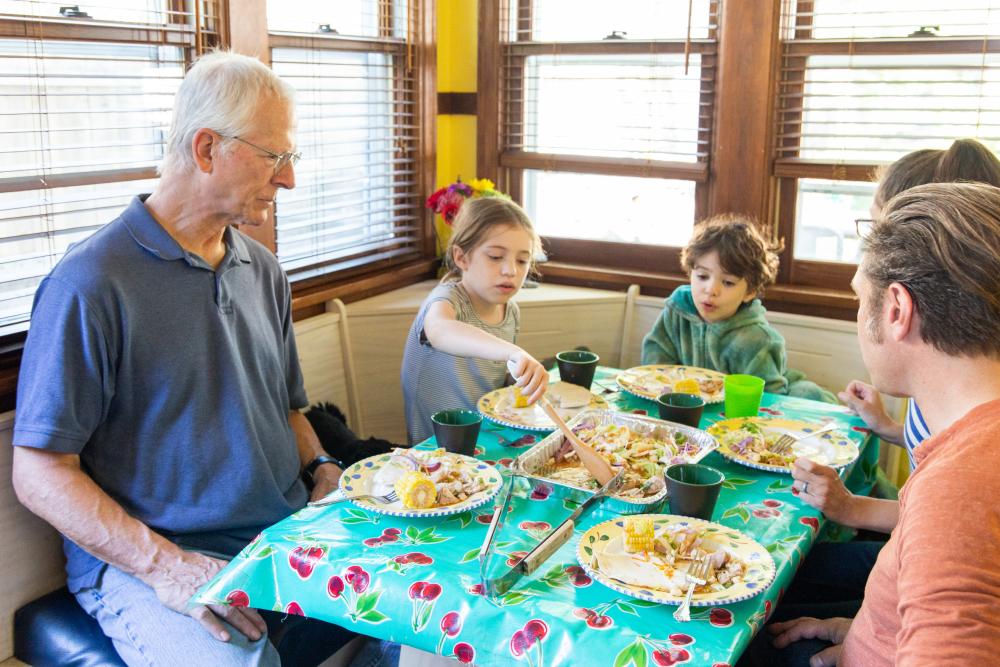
(611, 46)
(426, 55)
(587, 275)
(784, 217)
(748, 54)
(170, 35)
(812, 273)
(891, 46)
(333, 43)
(457, 104)
(608, 254)
(488, 93)
(685, 171)
(356, 288)
(788, 167)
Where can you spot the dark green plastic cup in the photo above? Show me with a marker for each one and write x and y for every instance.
(577, 367)
(457, 430)
(693, 489)
(681, 408)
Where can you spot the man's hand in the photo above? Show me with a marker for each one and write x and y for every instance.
(830, 629)
(325, 480)
(821, 487)
(175, 585)
(866, 401)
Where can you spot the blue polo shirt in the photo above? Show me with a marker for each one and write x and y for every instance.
(171, 380)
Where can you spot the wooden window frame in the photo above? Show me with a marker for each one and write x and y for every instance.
(787, 170)
(507, 168)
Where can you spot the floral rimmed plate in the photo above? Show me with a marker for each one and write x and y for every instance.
(569, 400)
(654, 380)
(831, 448)
(359, 479)
(607, 537)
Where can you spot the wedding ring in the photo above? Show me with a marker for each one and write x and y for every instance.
(805, 487)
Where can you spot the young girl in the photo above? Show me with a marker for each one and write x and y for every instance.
(463, 335)
(717, 321)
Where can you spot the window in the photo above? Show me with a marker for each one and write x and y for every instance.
(359, 188)
(862, 84)
(87, 103)
(605, 117)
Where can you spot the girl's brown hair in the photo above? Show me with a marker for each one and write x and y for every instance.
(473, 223)
(743, 250)
(965, 160)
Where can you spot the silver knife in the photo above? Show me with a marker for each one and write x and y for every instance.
(558, 537)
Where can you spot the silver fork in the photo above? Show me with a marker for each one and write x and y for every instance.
(697, 575)
(784, 444)
(330, 499)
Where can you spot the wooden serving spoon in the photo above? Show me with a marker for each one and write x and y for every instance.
(591, 460)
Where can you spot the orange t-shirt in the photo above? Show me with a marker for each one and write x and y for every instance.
(933, 597)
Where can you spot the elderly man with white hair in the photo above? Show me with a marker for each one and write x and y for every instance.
(158, 425)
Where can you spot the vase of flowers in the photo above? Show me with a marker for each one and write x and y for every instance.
(447, 201)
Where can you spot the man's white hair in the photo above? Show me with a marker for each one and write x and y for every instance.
(220, 92)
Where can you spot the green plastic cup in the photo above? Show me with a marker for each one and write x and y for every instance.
(693, 489)
(577, 367)
(743, 394)
(457, 430)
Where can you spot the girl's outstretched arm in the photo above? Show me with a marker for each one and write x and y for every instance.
(449, 335)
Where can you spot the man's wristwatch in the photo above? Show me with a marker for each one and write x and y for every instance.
(317, 462)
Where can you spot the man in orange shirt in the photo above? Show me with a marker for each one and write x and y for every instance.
(929, 328)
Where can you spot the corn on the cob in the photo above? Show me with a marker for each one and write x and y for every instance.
(520, 400)
(416, 490)
(639, 534)
(687, 386)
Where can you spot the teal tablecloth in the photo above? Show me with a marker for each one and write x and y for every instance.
(417, 581)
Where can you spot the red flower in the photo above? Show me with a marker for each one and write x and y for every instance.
(238, 598)
(335, 587)
(451, 624)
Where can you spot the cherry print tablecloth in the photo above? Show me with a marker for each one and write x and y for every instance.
(417, 581)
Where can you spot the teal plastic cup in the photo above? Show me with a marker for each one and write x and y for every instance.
(577, 367)
(693, 489)
(681, 408)
(457, 430)
(743, 394)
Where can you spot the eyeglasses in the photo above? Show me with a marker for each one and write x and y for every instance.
(863, 227)
(281, 160)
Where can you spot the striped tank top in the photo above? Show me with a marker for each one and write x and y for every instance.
(434, 380)
(915, 430)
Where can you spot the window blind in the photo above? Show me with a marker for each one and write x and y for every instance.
(869, 82)
(87, 103)
(358, 195)
(631, 83)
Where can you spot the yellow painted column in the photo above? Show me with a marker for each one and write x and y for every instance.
(457, 37)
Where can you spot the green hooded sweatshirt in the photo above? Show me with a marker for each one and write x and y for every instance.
(744, 343)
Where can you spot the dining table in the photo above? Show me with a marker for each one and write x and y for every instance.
(420, 582)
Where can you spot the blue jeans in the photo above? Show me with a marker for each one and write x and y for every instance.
(830, 584)
(144, 632)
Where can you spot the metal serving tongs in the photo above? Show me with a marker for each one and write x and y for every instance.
(497, 586)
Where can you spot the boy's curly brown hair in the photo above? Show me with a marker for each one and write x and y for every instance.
(743, 250)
